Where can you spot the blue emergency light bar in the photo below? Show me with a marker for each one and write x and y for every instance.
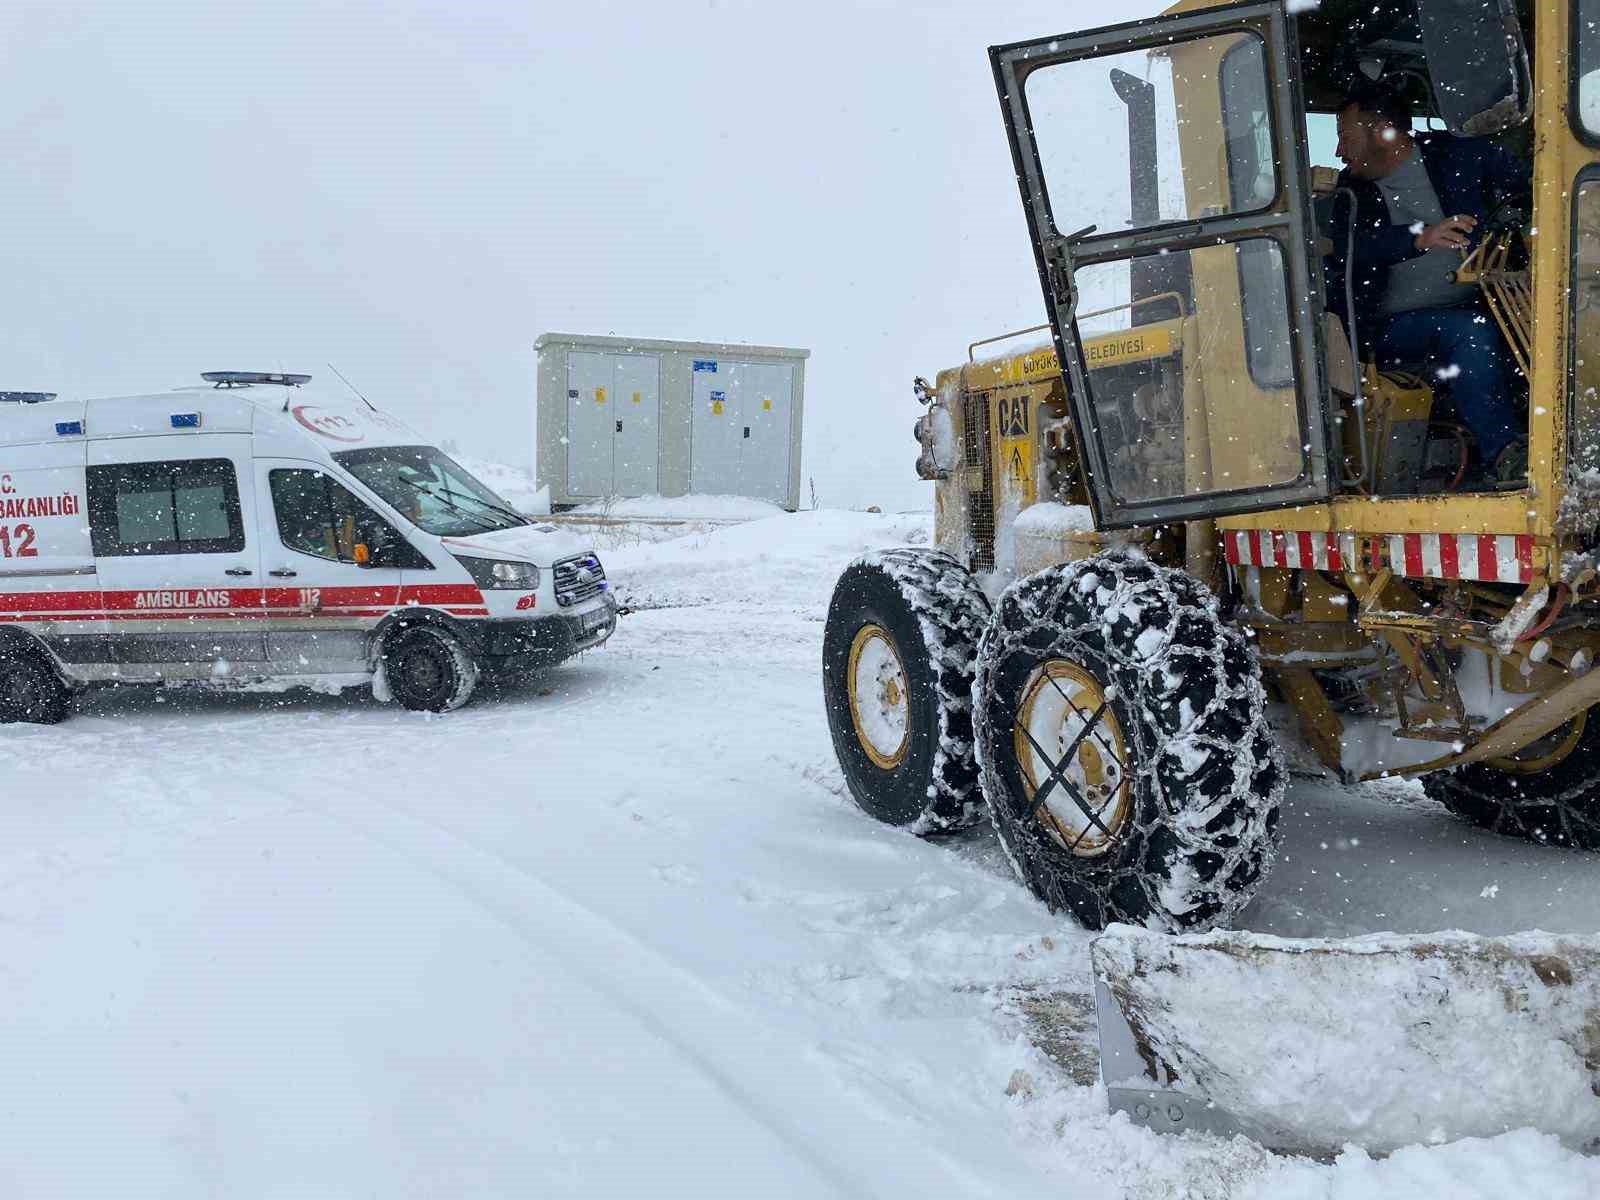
(186, 420)
(26, 397)
(69, 428)
(246, 378)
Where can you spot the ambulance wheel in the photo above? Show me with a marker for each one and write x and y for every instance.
(1548, 792)
(428, 669)
(897, 684)
(1122, 731)
(30, 689)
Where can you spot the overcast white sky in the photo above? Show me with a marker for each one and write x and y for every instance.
(415, 191)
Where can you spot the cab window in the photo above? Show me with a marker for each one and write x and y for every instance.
(318, 516)
(1253, 182)
(185, 507)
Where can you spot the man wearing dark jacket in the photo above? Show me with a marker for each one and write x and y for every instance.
(1420, 200)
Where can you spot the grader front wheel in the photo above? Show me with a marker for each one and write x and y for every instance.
(1126, 756)
(897, 681)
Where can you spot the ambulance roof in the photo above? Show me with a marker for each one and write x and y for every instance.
(319, 422)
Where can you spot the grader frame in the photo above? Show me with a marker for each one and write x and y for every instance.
(1404, 584)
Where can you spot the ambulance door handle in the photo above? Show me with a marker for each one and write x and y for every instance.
(238, 572)
(283, 573)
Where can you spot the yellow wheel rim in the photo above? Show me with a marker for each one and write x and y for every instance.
(1544, 753)
(1067, 734)
(880, 697)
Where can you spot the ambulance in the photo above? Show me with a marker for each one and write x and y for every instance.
(253, 534)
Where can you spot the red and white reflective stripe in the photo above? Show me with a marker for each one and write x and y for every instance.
(461, 600)
(1487, 557)
(1265, 548)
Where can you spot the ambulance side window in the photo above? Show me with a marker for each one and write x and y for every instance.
(186, 507)
(318, 516)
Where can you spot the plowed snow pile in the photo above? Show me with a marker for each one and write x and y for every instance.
(621, 934)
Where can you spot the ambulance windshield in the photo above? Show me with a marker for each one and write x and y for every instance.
(434, 491)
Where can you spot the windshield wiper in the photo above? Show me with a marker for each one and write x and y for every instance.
(509, 514)
(482, 523)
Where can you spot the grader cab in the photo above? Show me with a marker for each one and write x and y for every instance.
(1213, 509)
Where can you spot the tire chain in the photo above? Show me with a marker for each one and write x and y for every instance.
(1543, 808)
(1198, 696)
(952, 612)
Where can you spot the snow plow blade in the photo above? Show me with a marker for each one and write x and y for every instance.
(1382, 1041)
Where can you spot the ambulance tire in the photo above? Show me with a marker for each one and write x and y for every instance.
(1182, 771)
(428, 669)
(30, 688)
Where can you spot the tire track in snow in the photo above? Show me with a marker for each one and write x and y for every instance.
(580, 937)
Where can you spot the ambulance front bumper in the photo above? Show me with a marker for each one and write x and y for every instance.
(517, 646)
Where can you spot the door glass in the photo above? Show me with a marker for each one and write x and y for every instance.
(1202, 400)
(1584, 447)
(185, 507)
(1149, 121)
(1477, 63)
(318, 516)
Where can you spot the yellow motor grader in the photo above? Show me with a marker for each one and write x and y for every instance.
(1204, 493)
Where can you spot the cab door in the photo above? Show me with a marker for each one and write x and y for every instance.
(1162, 166)
(321, 602)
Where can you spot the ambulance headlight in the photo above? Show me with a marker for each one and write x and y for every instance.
(495, 574)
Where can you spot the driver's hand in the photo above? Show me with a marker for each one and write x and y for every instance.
(1452, 233)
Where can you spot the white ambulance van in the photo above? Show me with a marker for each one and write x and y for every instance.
(252, 533)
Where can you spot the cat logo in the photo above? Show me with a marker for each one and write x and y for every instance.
(1014, 417)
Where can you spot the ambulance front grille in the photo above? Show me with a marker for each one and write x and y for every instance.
(578, 579)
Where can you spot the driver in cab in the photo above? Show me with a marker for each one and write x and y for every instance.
(1421, 201)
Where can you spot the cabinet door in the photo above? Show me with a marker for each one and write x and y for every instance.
(717, 432)
(765, 391)
(589, 424)
(636, 424)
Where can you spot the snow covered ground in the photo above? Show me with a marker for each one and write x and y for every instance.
(621, 934)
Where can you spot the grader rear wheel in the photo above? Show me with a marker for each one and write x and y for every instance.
(1126, 757)
(1548, 792)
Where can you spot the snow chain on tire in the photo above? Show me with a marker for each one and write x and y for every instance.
(1556, 804)
(917, 614)
(1168, 703)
